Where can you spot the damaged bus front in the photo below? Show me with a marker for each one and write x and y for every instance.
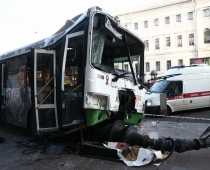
(111, 87)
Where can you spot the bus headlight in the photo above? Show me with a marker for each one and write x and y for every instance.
(96, 101)
(148, 102)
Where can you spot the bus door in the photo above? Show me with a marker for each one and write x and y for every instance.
(73, 75)
(44, 78)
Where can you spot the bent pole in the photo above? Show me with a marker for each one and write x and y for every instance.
(118, 132)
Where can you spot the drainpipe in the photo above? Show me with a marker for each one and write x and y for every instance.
(196, 31)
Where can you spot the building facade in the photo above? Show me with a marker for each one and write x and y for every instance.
(175, 32)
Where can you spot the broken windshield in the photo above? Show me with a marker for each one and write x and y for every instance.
(109, 52)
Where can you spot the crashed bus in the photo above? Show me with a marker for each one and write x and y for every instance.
(87, 73)
(83, 78)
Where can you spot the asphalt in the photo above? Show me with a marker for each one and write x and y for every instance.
(12, 157)
(189, 160)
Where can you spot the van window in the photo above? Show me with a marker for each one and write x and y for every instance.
(175, 88)
(160, 86)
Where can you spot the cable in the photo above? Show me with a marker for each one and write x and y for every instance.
(33, 147)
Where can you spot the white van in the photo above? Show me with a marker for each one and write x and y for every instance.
(186, 88)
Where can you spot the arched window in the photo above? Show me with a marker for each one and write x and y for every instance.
(207, 35)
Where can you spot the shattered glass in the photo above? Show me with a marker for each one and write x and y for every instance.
(98, 45)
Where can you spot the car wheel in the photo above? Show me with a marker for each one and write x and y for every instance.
(164, 113)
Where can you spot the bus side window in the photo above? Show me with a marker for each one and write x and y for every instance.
(71, 75)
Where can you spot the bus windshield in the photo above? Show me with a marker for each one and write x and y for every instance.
(160, 86)
(109, 52)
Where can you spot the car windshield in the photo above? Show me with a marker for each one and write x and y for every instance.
(160, 86)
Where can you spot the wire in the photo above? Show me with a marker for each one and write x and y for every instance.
(33, 147)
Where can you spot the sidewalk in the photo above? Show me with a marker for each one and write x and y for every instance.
(190, 160)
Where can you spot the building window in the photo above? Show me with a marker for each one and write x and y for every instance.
(136, 25)
(157, 46)
(168, 64)
(167, 20)
(191, 39)
(168, 42)
(156, 22)
(207, 35)
(178, 18)
(179, 41)
(157, 65)
(180, 62)
(190, 15)
(145, 24)
(146, 43)
(126, 67)
(147, 67)
(206, 13)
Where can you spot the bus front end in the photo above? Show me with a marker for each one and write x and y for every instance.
(112, 73)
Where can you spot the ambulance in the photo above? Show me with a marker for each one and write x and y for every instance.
(186, 87)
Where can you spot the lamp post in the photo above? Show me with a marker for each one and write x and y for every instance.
(153, 76)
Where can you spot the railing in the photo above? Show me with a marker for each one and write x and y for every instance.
(43, 89)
